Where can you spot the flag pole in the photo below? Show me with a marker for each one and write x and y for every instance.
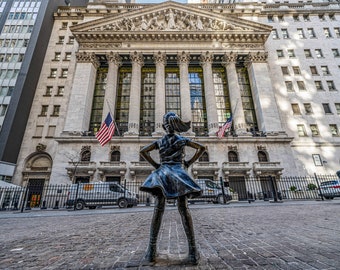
(108, 104)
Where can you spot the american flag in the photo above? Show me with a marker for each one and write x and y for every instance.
(106, 131)
(222, 129)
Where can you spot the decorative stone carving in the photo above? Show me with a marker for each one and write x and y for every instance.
(229, 58)
(87, 57)
(232, 147)
(114, 58)
(159, 58)
(257, 57)
(85, 148)
(137, 58)
(183, 58)
(206, 58)
(170, 19)
(261, 148)
(40, 147)
(115, 148)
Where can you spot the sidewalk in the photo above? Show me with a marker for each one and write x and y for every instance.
(260, 235)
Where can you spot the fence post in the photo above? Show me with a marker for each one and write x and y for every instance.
(24, 201)
(76, 198)
(317, 182)
(273, 187)
(223, 193)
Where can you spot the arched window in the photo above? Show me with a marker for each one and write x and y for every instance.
(115, 156)
(232, 156)
(262, 156)
(86, 155)
(204, 157)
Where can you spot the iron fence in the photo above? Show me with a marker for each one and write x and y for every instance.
(237, 188)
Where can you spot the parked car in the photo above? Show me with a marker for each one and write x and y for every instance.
(96, 194)
(212, 192)
(330, 189)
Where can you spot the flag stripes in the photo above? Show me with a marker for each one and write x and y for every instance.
(106, 130)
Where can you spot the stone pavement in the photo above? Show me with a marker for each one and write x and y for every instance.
(260, 235)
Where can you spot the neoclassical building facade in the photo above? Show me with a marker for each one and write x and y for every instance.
(205, 62)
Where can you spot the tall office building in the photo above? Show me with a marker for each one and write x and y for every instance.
(25, 27)
(274, 68)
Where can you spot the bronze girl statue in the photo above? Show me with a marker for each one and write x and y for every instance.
(171, 181)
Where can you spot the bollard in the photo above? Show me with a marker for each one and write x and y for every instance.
(147, 201)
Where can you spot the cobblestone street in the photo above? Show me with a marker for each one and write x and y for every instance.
(261, 235)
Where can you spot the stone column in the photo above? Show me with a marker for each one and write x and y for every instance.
(114, 61)
(160, 61)
(135, 92)
(264, 100)
(183, 62)
(209, 90)
(79, 108)
(235, 94)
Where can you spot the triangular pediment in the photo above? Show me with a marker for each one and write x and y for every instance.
(169, 17)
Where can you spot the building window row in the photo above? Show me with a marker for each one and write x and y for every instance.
(54, 71)
(307, 52)
(314, 129)
(44, 110)
(303, 34)
(57, 56)
(11, 57)
(298, 18)
(13, 43)
(8, 74)
(22, 29)
(290, 86)
(61, 40)
(308, 108)
(6, 91)
(22, 16)
(49, 91)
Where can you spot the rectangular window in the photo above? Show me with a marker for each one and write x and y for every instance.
(296, 18)
(311, 33)
(57, 56)
(327, 33)
(61, 39)
(337, 32)
(308, 108)
(56, 110)
(337, 107)
(315, 130)
(334, 130)
(275, 34)
(285, 34)
(281, 18)
(336, 52)
(308, 53)
(326, 108)
(48, 91)
(313, 70)
(71, 40)
(221, 94)
(331, 86)
(332, 17)
(325, 70)
(38, 131)
(270, 18)
(3, 109)
(318, 85)
(285, 70)
(296, 109)
(296, 70)
(67, 56)
(43, 111)
(301, 131)
(60, 90)
(301, 85)
(291, 53)
(64, 73)
(280, 53)
(301, 34)
(289, 86)
(322, 17)
(64, 25)
(50, 131)
(318, 53)
(53, 73)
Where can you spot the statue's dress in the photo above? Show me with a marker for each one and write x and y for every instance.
(171, 178)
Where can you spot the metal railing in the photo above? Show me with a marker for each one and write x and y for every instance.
(238, 188)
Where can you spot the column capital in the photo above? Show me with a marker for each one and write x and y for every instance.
(87, 57)
(114, 58)
(229, 58)
(137, 57)
(159, 58)
(183, 57)
(206, 58)
(257, 57)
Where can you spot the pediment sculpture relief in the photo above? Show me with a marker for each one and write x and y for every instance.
(169, 20)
